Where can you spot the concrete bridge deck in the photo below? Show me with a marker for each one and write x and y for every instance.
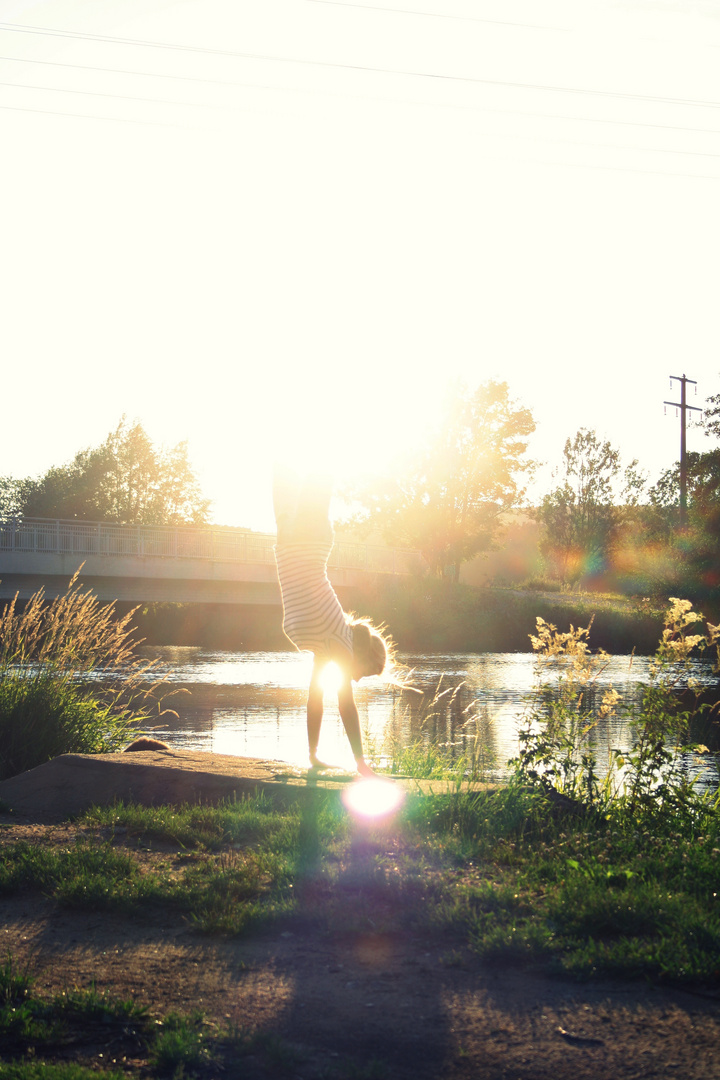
(166, 564)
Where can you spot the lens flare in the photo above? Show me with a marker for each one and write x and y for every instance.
(373, 798)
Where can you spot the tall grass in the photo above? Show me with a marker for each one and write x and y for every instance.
(555, 748)
(59, 685)
(469, 757)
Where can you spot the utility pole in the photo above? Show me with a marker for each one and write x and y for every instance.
(684, 408)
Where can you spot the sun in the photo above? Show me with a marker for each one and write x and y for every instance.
(331, 678)
(343, 427)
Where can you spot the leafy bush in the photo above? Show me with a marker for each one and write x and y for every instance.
(555, 753)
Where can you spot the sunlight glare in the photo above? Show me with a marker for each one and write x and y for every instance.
(374, 798)
(331, 678)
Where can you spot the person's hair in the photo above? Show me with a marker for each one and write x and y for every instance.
(370, 646)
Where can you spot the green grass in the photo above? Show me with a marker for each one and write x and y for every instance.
(582, 895)
(29, 1023)
(45, 715)
(498, 875)
(42, 1070)
(221, 868)
(32, 1029)
(498, 870)
(244, 823)
(179, 1043)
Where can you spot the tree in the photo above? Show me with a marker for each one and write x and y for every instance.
(711, 417)
(12, 497)
(447, 500)
(582, 517)
(125, 480)
(706, 478)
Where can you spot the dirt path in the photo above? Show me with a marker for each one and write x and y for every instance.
(357, 1003)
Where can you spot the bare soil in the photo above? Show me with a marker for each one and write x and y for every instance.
(350, 1003)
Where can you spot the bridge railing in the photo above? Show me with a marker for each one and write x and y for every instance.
(54, 536)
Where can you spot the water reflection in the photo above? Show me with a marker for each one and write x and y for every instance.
(253, 704)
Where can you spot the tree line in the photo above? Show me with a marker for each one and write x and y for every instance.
(451, 499)
(126, 480)
(600, 522)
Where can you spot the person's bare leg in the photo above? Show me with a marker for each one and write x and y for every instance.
(315, 715)
(312, 520)
(286, 495)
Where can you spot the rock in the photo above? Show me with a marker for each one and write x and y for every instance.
(72, 783)
(144, 743)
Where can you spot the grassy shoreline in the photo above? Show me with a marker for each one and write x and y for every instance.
(423, 615)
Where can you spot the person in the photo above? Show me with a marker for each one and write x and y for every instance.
(313, 618)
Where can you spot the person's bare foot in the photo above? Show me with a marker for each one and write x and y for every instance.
(316, 763)
(363, 768)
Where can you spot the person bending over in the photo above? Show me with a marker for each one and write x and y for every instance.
(313, 618)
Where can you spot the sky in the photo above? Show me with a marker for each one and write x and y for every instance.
(280, 228)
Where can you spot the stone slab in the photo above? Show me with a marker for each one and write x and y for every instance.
(72, 783)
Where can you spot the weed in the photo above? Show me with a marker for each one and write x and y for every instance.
(555, 753)
(14, 986)
(93, 1004)
(27, 1021)
(41, 1070)
(468, 758)
(180, 1043)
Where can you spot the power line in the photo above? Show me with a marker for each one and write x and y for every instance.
(635, 172)
(232, 108)
(240, 84)
(522, 138)
(91, 116)
(460, 79)
(439, 77)
(614, 146)
(564, 165)
(118, 97)
(74, 35)
(125, 71)
(437, 15)
(509, 135)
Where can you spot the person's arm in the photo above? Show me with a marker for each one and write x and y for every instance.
(351, 723)
(315, 710)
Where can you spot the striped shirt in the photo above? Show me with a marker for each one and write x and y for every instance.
(313, 617)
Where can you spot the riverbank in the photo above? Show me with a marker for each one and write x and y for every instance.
(422, 615)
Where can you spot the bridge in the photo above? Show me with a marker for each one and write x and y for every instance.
(151, 564)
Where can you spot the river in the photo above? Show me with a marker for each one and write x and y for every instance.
(253, 704)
